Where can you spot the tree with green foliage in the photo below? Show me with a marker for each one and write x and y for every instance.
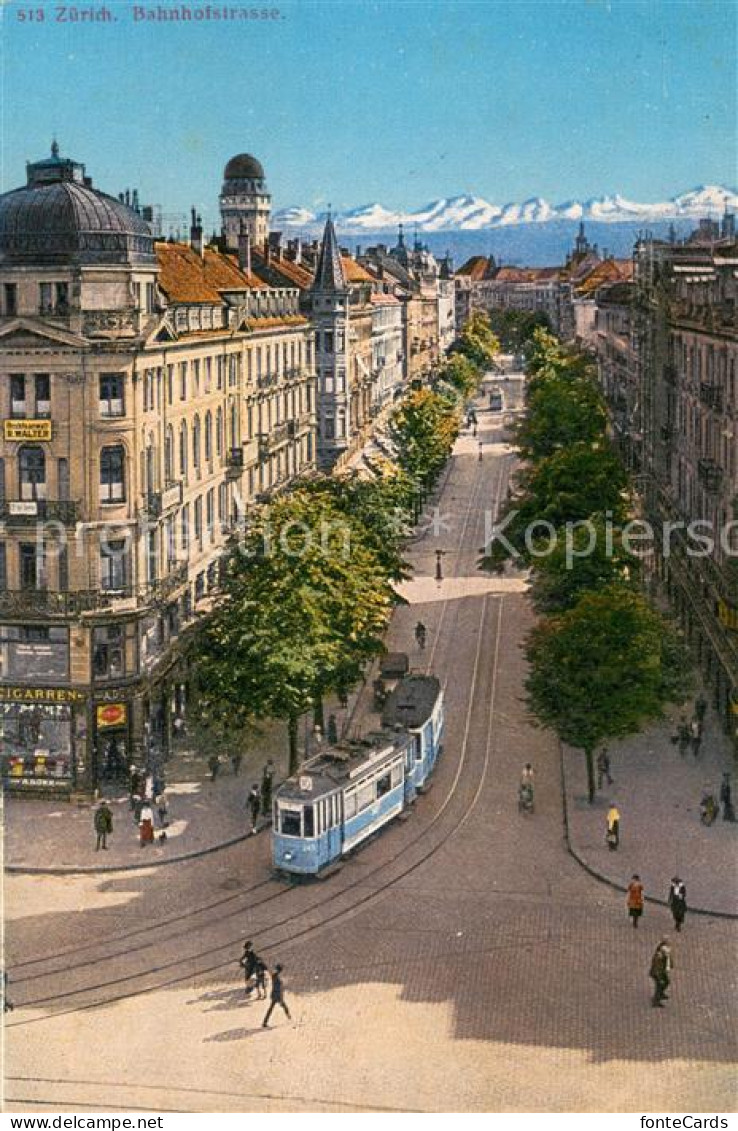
(423, 430)
(571, 485)
(587, 557)
(477, 342)
(304, 604)
(515, 328)
(462, 374)
(604, 668)
(560, 411)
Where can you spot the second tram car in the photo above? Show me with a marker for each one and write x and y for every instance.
(351, 790)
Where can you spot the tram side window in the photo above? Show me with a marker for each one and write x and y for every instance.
(396, 774)
(349, 804)
(290, 824)
(309, 821)
(418, 741)
(365, 795)
(384, 784)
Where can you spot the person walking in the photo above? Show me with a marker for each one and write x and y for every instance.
(678, 901)
(635, 899)
(695, 735)
(249, 961)
(132, 784)
(260, 974)
(726, 798)
(613, 827)
(603, 768)
(481, 449)
(683, 736)
(254, 803)
(528, 775)
(332, 730)
(213, 766)
(103, 825)
(700, 708)
(236, 760)
(421, 635)
(277, 996)
(267, 785)
(162, 808)
(146, 825)
(660, 971)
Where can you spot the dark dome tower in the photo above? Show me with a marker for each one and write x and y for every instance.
(245, 203)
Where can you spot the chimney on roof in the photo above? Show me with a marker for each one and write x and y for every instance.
(358, 251)
(728, 225)
(196, 239)
(128, 197)
(298, 250)
(134, 202)
(244, 248)
(275, 245)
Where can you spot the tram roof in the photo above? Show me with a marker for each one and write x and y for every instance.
(336, 766)
(411, 702)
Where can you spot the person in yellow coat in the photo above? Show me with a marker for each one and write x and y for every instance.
(613, 827)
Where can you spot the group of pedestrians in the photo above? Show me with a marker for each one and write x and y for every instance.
(143, 801)
(255, 972)
(662, 960)
(259, 800)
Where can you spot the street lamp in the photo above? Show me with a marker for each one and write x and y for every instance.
(439, 569)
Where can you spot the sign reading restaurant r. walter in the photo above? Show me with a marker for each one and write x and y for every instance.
(27, 429)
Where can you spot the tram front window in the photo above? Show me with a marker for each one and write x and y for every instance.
(290, 822)
(309, 822)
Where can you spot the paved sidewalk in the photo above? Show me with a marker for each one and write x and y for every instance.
(657, 792)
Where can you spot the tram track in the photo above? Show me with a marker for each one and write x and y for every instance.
(196, 971)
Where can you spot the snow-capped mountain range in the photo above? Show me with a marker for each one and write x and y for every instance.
(473, 213)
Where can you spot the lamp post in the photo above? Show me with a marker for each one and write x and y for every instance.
(439, 567)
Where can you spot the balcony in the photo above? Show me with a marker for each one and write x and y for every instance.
(27, 512)
(234, 463)
(710, 475)
(46, 603)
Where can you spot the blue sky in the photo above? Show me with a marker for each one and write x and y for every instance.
(349, 102)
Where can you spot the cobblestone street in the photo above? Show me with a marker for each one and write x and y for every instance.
(462, 961)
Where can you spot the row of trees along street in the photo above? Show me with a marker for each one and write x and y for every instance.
(603, 660)
(307, 590)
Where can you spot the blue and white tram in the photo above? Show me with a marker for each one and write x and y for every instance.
(351, 790)
(416, 705)
(337, 800)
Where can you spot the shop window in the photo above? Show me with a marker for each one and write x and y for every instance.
(112, 475)
(108, 652)
(36, 743)
(114, 565)
(111, 394)
(34, 653)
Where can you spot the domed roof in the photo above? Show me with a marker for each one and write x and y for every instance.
(59, 217)
(244, 167)
(63, 221)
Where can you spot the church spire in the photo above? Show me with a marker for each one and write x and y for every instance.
(329, 275)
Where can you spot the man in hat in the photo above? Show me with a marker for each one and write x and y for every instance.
(660, 971)
(103, 825)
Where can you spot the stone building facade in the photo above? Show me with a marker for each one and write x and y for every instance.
(151, 394)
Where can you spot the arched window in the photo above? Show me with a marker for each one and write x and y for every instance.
(219, 432)
(113, 474)
(169, 455)
(196, 443)
(32, 472)
(208, 437)
(183, 449)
